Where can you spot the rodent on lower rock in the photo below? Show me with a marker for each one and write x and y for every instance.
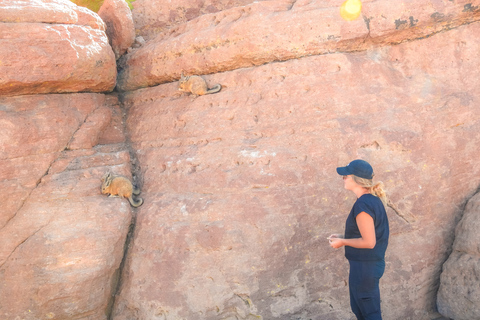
(122, 187)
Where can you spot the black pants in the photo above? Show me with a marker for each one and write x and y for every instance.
(364, 291)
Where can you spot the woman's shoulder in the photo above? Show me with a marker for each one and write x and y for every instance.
(369, 204)
(369, 200)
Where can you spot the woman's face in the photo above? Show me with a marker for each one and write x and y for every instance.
(348, 182)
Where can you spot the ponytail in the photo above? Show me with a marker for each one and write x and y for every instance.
(377, 190)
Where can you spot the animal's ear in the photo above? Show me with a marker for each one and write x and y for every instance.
(105, 176)
(182, 76)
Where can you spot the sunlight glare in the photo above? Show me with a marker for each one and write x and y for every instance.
(351, 9)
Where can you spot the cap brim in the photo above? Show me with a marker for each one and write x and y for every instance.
(343, 171)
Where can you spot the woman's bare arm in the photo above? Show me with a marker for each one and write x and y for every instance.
(367, 231)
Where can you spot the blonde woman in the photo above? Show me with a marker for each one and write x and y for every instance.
(365, 239)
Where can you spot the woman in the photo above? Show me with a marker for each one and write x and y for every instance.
(365, 240)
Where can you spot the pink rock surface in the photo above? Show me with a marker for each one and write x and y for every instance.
(242, 188)
(53, 47)
(49, 11)
(54, 11)
(151, 18)
(459, 293)
(266, 31)
(62, 240)
(120, 27)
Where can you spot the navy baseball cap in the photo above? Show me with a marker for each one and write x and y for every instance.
(359, 168)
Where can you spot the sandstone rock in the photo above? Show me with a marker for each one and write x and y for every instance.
(152, 19)
(242, 185)
(114, 132)
(233, 39)
(459, 293)
(53, 46)
(52, 11)
(49, 11)
(120, 28)
(90, 19)
(62, 241)
(266, 31)
(88, 134)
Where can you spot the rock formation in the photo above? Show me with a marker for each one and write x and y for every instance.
(120, 28)
(53, 46)
(239, 187)
(62, 242)
(243, 189)
(234, 38)
(459, 294)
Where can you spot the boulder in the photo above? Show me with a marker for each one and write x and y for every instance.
(243, 190)
(267, 31)
(49, 11)
(53, 47)
(459, 293)
(120, 29)
(46, 11)
(62, 240)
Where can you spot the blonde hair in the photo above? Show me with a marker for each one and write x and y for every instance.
(375, 189)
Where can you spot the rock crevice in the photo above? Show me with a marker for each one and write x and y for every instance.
(135, 169)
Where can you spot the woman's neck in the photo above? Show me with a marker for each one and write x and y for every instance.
(360, 191)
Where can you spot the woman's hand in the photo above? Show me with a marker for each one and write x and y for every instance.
(335, 242)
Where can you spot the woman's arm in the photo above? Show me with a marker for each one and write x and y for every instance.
(367, 231)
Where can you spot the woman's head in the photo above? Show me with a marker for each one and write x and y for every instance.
(360, 172)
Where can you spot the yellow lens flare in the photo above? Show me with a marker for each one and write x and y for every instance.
(351, 9)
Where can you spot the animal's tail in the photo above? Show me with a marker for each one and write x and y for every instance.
(135, 202)
(136, 190)
(215, 89)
